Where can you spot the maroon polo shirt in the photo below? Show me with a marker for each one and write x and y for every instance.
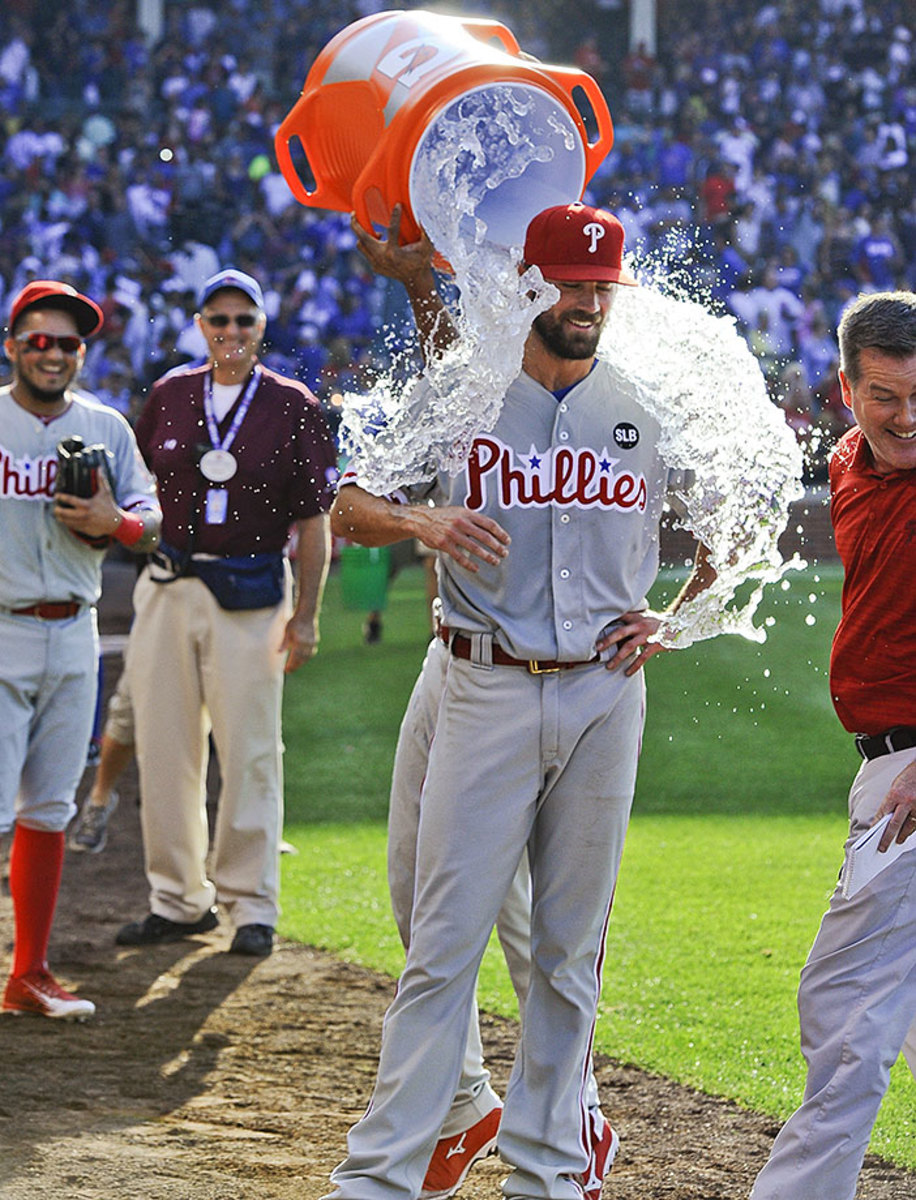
(287, 464)
(873, 662)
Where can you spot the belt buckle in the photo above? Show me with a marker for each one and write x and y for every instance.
(535, 668)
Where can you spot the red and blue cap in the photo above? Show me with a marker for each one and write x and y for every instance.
(237, 280)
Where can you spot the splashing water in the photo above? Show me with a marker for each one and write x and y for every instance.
(396, 441)
(688, 369)
(485, 141)
(695, 374)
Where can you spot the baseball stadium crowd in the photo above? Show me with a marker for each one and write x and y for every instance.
(763, 159)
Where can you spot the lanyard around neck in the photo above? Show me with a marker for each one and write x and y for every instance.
(209, 413)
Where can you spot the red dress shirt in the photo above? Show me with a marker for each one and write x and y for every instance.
(873, 661)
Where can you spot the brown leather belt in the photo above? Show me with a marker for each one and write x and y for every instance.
(50, 610)
(460, 645)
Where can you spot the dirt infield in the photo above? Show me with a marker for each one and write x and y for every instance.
(206, 1076)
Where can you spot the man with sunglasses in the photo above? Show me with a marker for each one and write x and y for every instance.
(50, 580)
(240, 454)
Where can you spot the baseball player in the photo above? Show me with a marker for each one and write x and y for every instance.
(857, 995)
(469, 1132)
(548, 544)
(50, 579)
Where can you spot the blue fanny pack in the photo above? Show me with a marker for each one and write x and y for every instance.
(239, 582)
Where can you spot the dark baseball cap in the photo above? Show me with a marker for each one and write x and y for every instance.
(51, 293)
(575, 242)
(237, 280)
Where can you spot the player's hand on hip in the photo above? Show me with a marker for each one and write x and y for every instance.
(468, 537)
(96, 516)
(300, 641)
(631, 635)
(900, 801)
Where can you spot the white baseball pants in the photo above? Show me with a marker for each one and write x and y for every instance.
(547, 762)
(856, 1004)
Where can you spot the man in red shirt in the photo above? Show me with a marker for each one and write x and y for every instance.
(240, 454)
(857, 997)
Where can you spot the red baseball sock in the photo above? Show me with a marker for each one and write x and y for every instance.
(36, 863)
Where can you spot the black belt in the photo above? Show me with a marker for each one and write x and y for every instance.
(50, 610)
(901, 737)
(460, 645)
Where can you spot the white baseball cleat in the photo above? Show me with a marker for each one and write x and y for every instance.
(39, 993)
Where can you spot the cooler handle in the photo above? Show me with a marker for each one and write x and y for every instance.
(484, 30)
(569, 78)
(289, 127)
(370, 203)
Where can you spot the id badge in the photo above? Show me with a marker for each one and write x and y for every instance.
(216, 508)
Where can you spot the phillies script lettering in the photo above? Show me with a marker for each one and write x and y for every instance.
(562, 476)
(27, 478)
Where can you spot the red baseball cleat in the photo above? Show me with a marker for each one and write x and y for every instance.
(454, 1156)
(39, 993)
(605, 1144)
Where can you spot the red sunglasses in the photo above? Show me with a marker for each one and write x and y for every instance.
(42, 342)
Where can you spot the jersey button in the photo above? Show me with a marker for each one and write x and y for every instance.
(564, 574)
(564, 435)
(567, 624)
(564, 518)
(564, 407)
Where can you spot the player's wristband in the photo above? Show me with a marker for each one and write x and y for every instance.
(130, 531)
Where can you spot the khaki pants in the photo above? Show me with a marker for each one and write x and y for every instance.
(193, 668)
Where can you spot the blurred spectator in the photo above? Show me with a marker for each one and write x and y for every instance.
(717, 194)
(794, 398)
(782, 309)
(763, 344)
(737, 144)
(878, 256)
(818, 351)
(638, 77)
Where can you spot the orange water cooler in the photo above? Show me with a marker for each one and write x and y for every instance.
(382, 96)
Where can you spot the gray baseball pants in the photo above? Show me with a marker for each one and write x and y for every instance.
(857, 1006)
(547, 762)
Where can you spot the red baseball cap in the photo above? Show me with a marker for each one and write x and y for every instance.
(52, 294)
(577, 242)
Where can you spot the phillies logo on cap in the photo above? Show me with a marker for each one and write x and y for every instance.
(576, 242)
(594, 231)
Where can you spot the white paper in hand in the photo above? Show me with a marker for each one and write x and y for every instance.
(864, 861)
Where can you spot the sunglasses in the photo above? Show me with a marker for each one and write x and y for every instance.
(222, 321)
(42, 342)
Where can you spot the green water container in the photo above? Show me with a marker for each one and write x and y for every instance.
(364, 577)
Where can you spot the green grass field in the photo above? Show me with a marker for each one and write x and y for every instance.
(733, 849)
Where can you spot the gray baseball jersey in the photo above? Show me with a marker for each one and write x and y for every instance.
(580, 489)
(41, 559)
(49, 668)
